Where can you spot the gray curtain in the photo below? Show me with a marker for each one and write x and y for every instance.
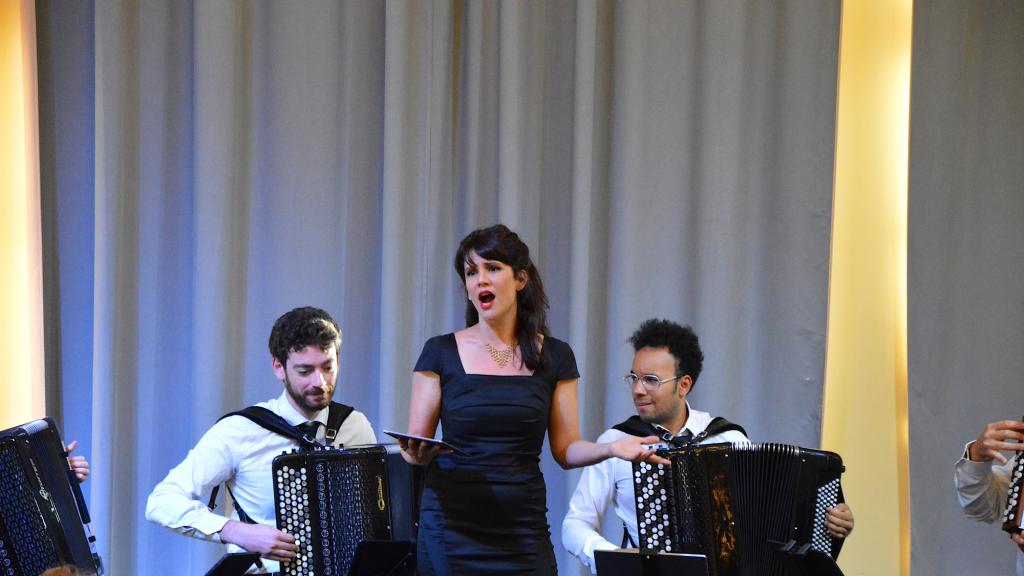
(966, 265)
(669, 159)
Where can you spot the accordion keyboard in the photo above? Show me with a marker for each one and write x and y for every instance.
(333, 499)
(1013, 516)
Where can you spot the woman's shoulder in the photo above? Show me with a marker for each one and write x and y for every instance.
(555, 347)
(440, 340)
(436, 354)
(559, 359)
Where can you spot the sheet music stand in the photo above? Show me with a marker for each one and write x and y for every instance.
(384, 558)
(234, 564)
(640, 563)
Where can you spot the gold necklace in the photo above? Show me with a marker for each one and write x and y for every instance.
(500, 357)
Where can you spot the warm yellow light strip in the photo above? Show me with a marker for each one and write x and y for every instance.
(21, 316)
(865, 406)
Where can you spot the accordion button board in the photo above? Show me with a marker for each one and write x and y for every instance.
(1013, 516)
(332, 499)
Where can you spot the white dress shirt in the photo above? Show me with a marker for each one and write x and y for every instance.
(982, 489)
(612, 481)
(239, 452)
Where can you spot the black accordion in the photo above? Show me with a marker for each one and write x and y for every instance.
(332, 499)
(1013, 516)
(43, 518)
(739, 505)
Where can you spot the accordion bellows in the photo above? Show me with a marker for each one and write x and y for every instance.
(738, 504)
(332, 499)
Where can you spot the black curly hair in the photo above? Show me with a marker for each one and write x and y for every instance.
(499, 243)
(301, 327)
(681, 342)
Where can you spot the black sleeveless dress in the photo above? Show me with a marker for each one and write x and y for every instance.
(486, 513)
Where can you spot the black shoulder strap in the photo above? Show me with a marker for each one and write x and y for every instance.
(717, 426)
(634, 426)
(335, 416)
(272, 422)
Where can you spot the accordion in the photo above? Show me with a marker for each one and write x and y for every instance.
(332, 499)
(739, 504)
(1013, 516)
(44, 522)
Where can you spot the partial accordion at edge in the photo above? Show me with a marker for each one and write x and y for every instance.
(1013, 515)
(739, 504)
(44, 522)
(332, 499)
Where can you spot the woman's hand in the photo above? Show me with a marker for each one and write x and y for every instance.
(420, 453)
(637, 449)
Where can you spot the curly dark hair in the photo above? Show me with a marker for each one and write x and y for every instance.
(302, 327)
(681, 342)
(499, 243)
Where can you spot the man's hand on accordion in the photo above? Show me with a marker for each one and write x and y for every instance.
(79, 465)
(997, 437)
(270, 542)
(839, 520)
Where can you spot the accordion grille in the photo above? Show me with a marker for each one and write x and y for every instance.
(26, 546)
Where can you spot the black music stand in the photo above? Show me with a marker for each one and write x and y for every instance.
(642, 563)
(384, 558)
(234, 564)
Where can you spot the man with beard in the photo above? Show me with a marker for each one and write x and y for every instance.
(666, 364)
(238, 452)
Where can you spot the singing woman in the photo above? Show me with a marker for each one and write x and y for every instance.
(497, 386)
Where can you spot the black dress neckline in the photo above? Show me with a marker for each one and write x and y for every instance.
(462, 366)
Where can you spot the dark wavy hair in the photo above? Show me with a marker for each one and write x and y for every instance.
(499, 243)
(301, 327)
(681, 342)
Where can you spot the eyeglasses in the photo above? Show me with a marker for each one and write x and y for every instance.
(650, 381)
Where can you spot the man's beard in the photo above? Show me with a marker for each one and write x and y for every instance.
(306, 402)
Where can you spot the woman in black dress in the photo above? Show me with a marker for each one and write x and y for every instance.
(497, 386)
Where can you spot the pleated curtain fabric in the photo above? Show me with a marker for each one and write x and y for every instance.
(661, 159)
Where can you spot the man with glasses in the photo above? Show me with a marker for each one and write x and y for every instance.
(666, 364)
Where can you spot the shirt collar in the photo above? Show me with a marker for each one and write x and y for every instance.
(686, 425)
(293, 416)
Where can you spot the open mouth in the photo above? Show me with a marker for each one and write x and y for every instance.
(486, 297)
